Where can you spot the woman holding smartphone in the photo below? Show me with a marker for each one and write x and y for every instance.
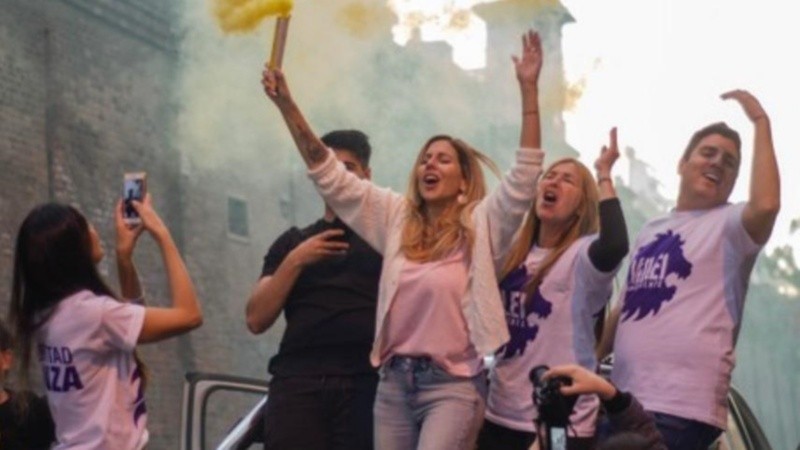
(439, 310)
(85, 335)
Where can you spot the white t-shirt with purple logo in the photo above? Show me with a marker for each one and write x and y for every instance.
(681, 311)
(85, 349)
(555, 326)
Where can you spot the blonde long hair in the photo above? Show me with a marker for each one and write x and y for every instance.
(585, 221)
(424, 241)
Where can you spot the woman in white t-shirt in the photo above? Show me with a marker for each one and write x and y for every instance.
(84, 335)
(555, 284)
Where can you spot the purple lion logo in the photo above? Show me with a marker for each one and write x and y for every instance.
(647, 287)
(518, 308)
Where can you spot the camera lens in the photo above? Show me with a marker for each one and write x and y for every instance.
(536, 374)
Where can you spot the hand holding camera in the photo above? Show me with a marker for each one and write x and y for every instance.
(555, 406)
(583, 381)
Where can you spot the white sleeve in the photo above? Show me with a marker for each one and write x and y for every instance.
(121, 324)
(735, 232)
(368, 209)
(507, 205)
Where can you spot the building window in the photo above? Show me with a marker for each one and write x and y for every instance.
(237, 217)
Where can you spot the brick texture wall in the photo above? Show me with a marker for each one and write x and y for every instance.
(85, 95)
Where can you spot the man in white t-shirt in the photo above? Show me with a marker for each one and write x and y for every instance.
(680, 311)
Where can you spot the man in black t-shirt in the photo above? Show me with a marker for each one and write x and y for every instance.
(325, 279)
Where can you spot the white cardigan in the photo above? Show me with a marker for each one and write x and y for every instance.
(378, 214)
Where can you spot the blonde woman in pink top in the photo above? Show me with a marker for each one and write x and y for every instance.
(439, 310)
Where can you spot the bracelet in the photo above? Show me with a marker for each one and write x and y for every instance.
(602, 179)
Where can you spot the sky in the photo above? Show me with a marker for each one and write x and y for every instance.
(656, 69)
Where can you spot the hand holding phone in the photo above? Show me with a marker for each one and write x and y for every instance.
(327, 244)
(134, 187)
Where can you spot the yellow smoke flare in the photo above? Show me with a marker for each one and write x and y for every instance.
(244, 15)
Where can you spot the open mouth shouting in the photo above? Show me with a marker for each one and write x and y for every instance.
(549, 198)
(430, 181)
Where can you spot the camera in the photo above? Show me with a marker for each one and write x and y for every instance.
(134, 187)
(553, 406)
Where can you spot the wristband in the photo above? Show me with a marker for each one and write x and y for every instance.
(602, 179)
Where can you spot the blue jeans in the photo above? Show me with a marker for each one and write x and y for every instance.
(685, 434)
(420, 406)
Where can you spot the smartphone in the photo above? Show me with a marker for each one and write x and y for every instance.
(134, 187)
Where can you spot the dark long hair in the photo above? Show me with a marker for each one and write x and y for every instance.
(52, 260)
(6, 344)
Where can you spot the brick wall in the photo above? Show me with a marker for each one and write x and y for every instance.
(85, 96)
(23, 158)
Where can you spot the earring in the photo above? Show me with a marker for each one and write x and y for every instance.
(461, 199)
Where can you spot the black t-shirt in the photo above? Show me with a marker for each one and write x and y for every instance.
(33, 431)
(330, 311)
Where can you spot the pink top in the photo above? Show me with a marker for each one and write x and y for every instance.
(426, 317)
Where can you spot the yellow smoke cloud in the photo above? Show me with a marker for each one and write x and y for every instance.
(364, 20)
(245, 15)
(574, 93)
(575, 90)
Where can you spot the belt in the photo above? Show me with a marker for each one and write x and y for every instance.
(410, 363)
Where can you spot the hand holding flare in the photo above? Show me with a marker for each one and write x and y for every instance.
(244, 15)
(279, 42)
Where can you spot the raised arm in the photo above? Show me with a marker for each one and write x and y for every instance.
(366, 208)
(270, 292)
(603, 165)
(764, 203)
(310, 146)
(184, 314)
(528, 66)
(126, 242)
(611, 245)
(507, 204)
